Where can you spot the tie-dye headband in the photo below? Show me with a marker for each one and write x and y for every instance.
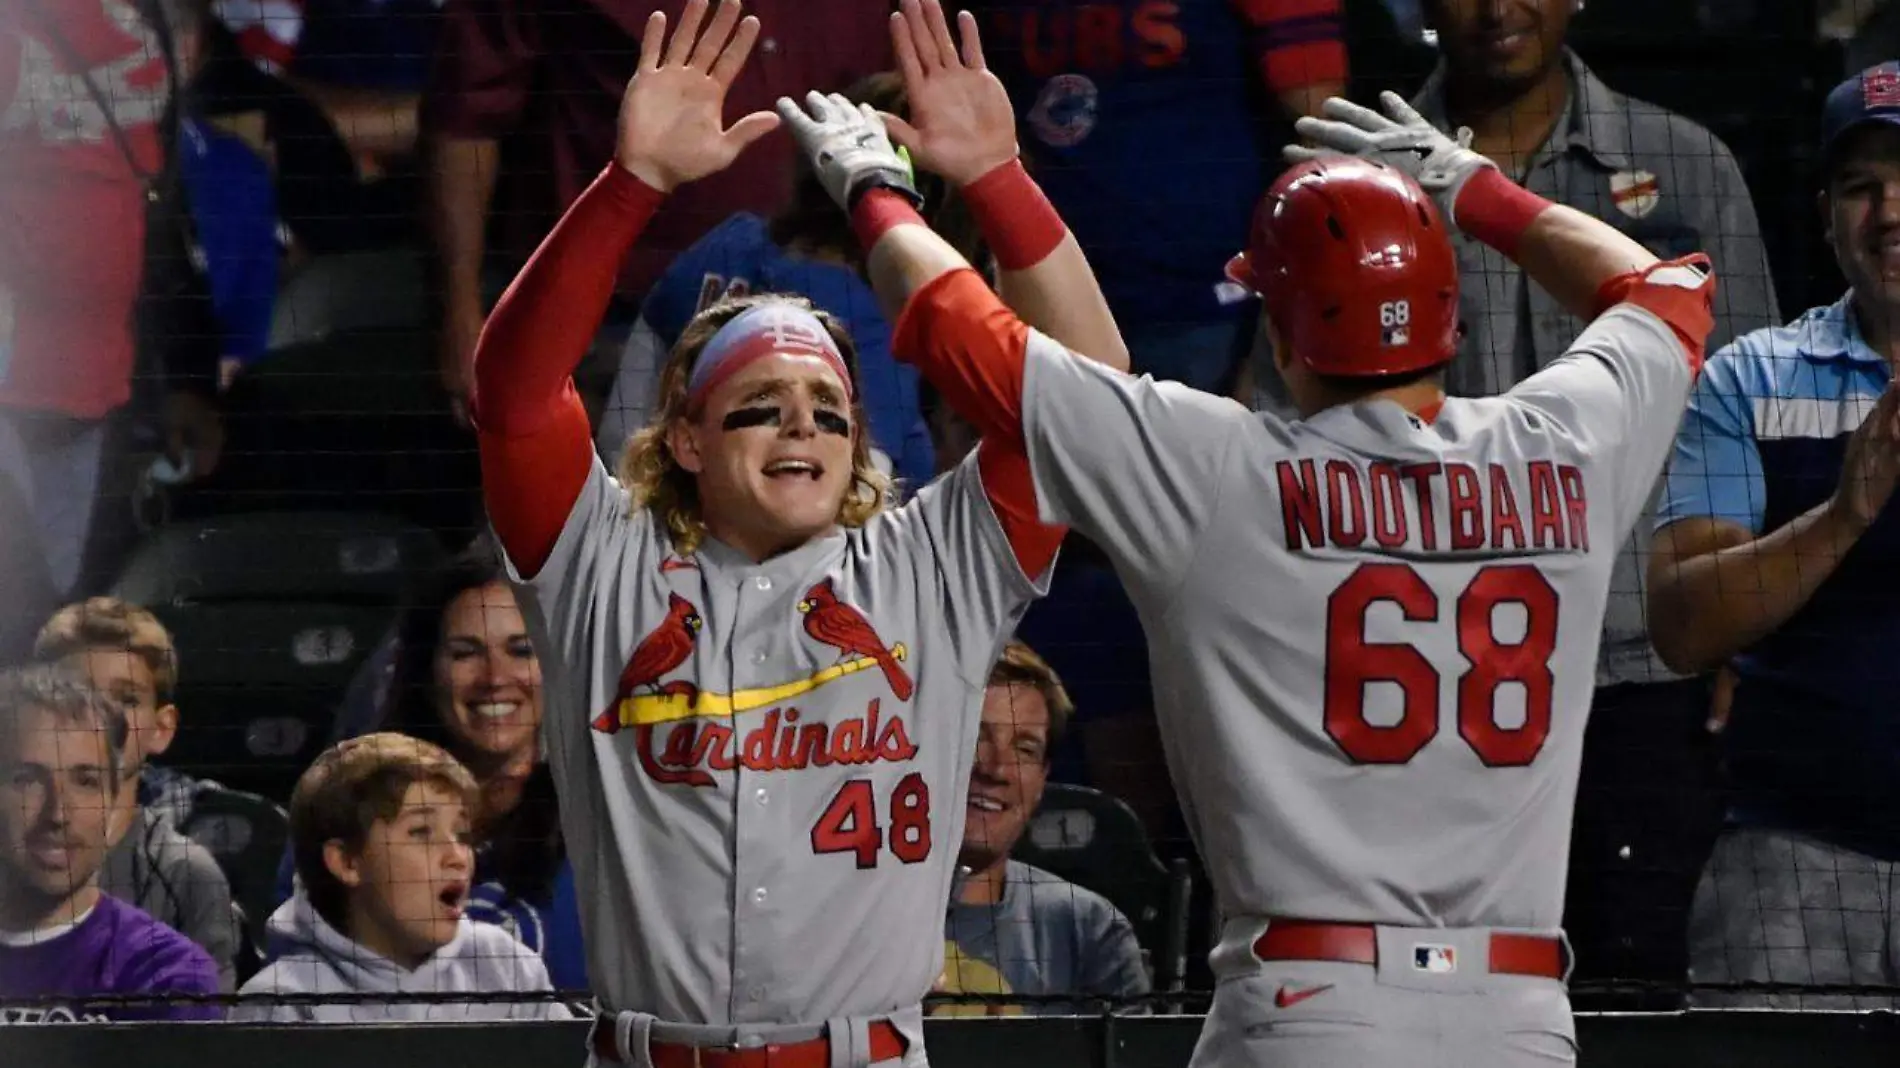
(760, 331)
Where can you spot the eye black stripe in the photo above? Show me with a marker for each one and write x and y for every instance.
(743, 418)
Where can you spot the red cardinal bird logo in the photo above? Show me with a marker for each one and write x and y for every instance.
(838, 624)
(658, 653)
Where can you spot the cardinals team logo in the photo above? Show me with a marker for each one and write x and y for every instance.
(666, 648)
(839, 625)
(642, 699)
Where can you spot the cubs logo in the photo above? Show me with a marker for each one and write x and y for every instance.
(1066, 110)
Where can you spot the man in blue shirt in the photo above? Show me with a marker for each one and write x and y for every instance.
(1777, 552)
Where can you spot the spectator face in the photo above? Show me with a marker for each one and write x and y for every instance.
(1507, 43)
(1012, 765)
(409, 885)
(1863, 216)
(771, 453)
(127, 679)
(56, 795)
(488, 682)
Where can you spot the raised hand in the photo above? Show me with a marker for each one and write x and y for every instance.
(1401, 139)
(962, 124)
(848, 147)
(672, 126)
(1872, 464)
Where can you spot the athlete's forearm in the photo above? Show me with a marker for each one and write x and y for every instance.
(544, 324)
(1709, 607)
(1570, 255)
(1043, 274)
(972, 350)
(958, 335)
(535, 443)
(902, 254)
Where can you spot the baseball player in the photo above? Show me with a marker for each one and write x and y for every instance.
(762, 683)
(1374, 628)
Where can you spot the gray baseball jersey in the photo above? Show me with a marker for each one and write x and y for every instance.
(762, 766)
(1373, 637)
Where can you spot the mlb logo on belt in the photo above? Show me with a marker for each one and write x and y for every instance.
(1438, 960)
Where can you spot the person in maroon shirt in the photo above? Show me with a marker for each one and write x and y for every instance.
(520, 109)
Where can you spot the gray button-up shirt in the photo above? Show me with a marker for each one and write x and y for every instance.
(1666, 182)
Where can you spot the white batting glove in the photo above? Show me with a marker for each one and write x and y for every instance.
(1401, 139)
(848, 147)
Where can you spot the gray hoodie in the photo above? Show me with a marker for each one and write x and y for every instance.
(315, 958)
(178, 882)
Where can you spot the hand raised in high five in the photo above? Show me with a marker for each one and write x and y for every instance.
(962, 124)
(672, 126)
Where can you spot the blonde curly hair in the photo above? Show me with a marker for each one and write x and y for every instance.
(654, 477)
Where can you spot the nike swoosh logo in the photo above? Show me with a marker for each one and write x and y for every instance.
(1289, 997)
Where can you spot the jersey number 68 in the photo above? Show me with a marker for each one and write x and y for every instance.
(1352, 663)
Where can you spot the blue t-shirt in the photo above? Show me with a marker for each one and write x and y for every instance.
(738, 257)
(1814, 743)
(234, 213)
(1045, 937)
(550, 927)
(1142, 124)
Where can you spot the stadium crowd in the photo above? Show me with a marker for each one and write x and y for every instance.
(274, 724)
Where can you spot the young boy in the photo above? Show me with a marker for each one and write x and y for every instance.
(128, 655)
(379, 827)
(64, 945)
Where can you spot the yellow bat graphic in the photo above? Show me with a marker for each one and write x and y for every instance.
(648, 709)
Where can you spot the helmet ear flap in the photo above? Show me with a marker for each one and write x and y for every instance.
(1239, 270)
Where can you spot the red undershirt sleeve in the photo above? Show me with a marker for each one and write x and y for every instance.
(973, 349)
(532, 431)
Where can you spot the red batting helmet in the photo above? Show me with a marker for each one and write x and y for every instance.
(1355, 267)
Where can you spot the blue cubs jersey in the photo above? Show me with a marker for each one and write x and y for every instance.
(738, 256)
(1140, 120)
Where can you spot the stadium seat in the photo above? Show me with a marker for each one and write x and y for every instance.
(1097, 842)
(351, 291)
(354, 421)
(247, 834)
(272, 615)
(345, 557)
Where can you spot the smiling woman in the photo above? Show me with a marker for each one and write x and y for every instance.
(462, 673)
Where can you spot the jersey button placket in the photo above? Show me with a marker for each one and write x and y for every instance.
(752, 830)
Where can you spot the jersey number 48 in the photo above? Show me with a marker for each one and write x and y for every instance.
(1352, 663)
(849, 823)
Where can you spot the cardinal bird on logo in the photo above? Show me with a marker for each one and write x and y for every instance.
(839, 625)
(658, 653)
